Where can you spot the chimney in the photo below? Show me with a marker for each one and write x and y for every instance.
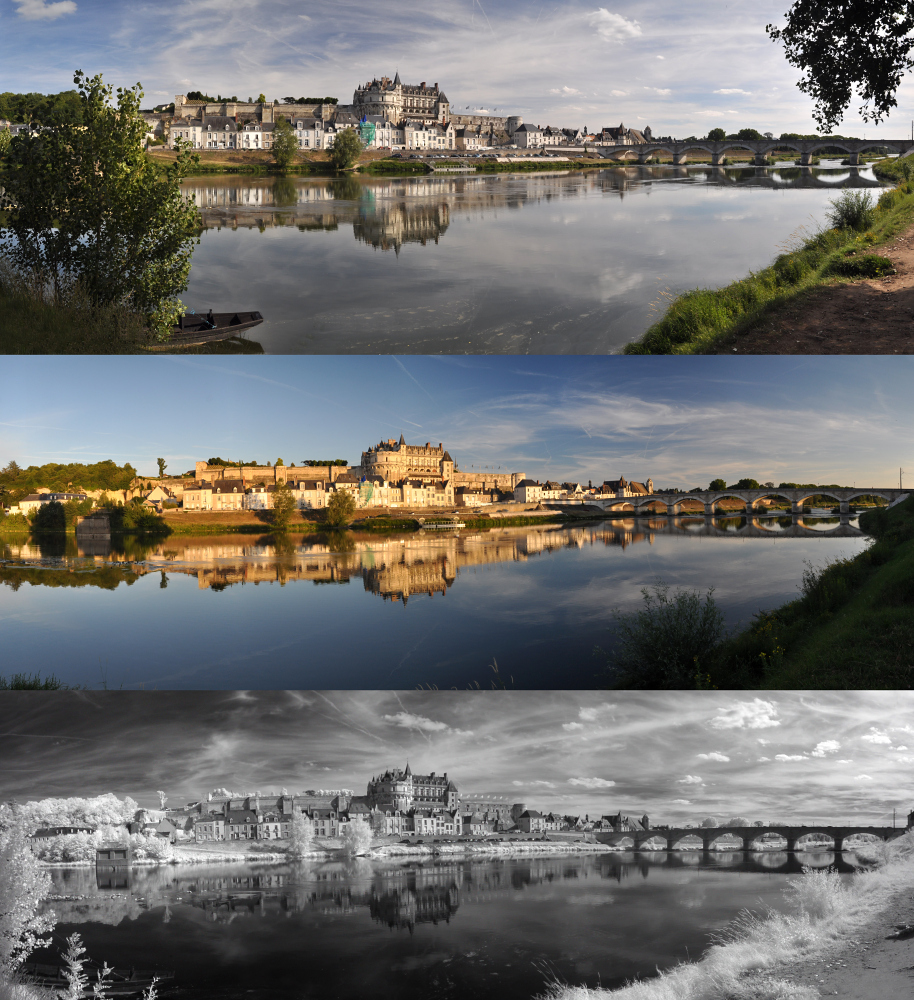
(422, 84)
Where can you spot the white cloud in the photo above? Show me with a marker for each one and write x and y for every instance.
(689, 779)
(877, 736)
(863, 777)
(661, 57)
(662, 91)
(716, 113)
(763, 742)
(903, 759)
(791, 756)
(613, 27)
(594, 713)
(408, 721)
(714, 755)
(570, 726)
(762, 760)
(901, 746)
(618, 93)
(567, 92)
(733, 90)
(755, 714)
(681, 802)
(591, 782)
(534, 784)
(845, 762)
(826, 746)
(41, 10)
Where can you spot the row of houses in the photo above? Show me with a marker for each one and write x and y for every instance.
(533, 491)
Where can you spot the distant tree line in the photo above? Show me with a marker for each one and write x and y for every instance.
(311, 100)
(43, 109)
(325, 461)
(16, 482)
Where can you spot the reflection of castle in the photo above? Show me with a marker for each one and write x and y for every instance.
(390, 226)
(407, 907)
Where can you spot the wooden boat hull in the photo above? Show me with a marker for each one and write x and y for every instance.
(197, 329)
(121, 982)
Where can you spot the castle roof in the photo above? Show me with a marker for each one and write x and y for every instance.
(402, 439)
(447, 457)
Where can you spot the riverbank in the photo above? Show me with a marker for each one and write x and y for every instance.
(852, 626)
(815, 298)
(759, 958)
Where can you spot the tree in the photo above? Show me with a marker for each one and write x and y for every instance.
(737, 821)
(346, 148)
(284, 506)
(6, 137)
(285, 143)
(717, 135)
(302, 834)
(340, 508)
(745, 484)
(717, 484)
(162, 466)
(50, 518)
(749, 133)
(24, 884)
(261, 99)
(163, 798)
(356, 837)
(279, 461)
(709, 823)
(843, 46)
(86, 206)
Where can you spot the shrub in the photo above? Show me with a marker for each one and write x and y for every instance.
(665, 643)
(340, 508)
(889, 199)
(852, 210)
(868, 265)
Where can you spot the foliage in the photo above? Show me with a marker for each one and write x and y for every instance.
(874, 42)
(311, 100)
(42, 109)
(717, 135)
(666, 643)
(340, 509)
(325, 461)
(744, 484)
(869, 265)
(79, 982)
(86, 205)
(709, 823)
(50, 518)
(284, 506)
(134, 519)
(261, 99)
(162, 464)
(737, 821)
(357, 837)
(852, 210)
(24, 884)
(346, 148)
(6, 137)
(62, 478)
(717, 484)
(95, 811)
(285, 143)
(302, 835)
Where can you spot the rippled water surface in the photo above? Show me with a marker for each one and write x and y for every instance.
(370, 611)
(566, 262)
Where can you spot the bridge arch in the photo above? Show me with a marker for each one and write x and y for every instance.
(771, 495)
(869, 493)
(801, 500)
(730, 496)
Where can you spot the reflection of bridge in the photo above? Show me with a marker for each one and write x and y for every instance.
(795, 836)
(752, 499)
(760, 148)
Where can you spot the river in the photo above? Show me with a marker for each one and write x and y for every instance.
(571, 262)
(489, 929)
(368, 611)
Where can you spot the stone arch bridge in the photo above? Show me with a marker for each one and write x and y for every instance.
(794, 835)
(759, 148)
(709, 498)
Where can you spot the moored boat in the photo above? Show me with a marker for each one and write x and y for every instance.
(203, 328)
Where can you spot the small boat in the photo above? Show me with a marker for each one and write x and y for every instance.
(202, 328)
(120, 982)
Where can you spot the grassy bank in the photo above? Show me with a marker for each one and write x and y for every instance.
(695, 322)
(751, 960)
(852, 626)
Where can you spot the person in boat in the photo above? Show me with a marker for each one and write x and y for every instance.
(210, 320)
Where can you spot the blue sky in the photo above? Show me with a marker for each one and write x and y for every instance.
(682, 68)
(803, 757)
(681, 420)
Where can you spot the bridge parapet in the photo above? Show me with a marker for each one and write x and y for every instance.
(759, 148)
(748, 835)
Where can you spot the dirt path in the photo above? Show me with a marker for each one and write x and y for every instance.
(863, 317)
(869, 967)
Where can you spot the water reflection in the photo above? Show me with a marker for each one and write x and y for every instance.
(537, 599)
(563, 262)
(445, 926)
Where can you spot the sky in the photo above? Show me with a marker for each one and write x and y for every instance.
(681, 68)
(683, 421)
(680, 756)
